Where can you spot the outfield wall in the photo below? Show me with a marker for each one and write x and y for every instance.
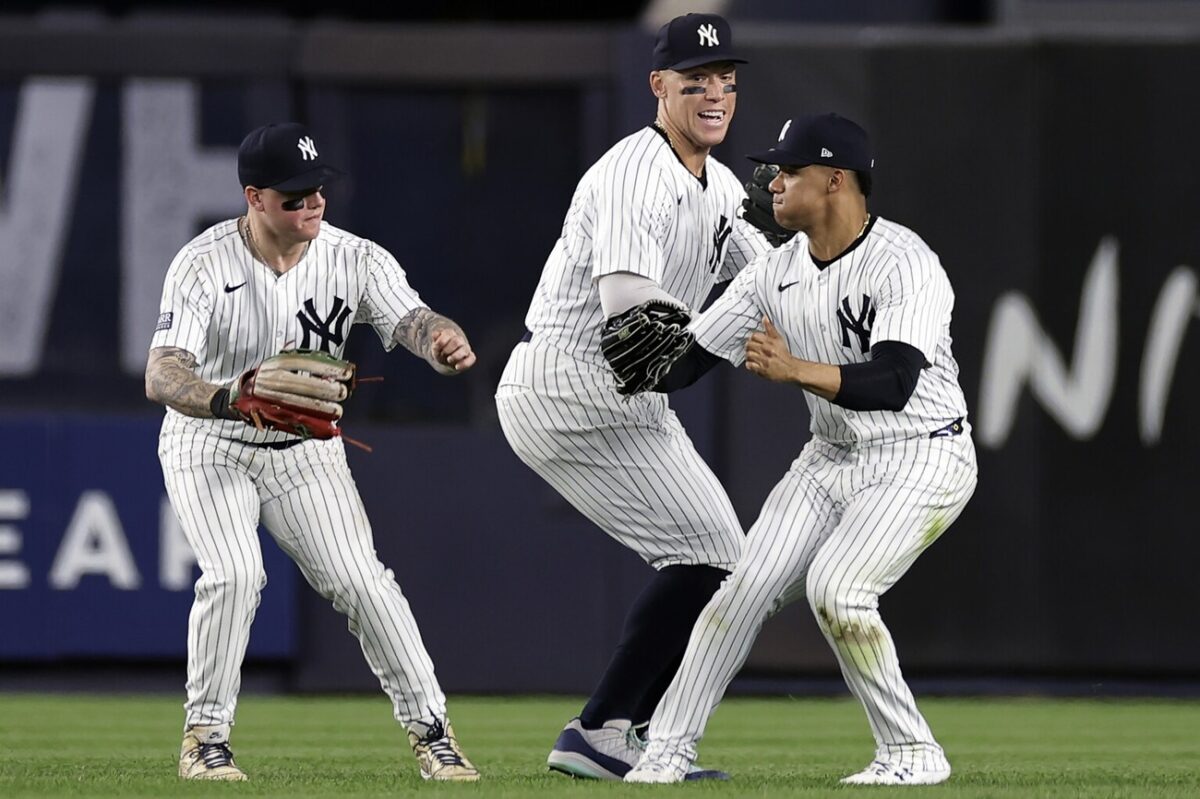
(1051, 173)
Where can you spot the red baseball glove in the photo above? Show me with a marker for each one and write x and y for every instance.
(297, 391)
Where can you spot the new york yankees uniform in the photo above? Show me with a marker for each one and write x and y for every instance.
(626, 463)
(866, 496)
(225, 477)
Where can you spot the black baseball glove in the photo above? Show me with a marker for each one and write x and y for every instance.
(758, 209)
(642, 343)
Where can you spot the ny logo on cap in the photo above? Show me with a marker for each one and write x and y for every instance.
(825, 153)
(308, 148)
(708, 35)
(783, 132)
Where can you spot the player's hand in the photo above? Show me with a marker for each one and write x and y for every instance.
(767, 354)
(452, 352)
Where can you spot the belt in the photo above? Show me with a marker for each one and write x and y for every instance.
(527, 336)
(955, 428)
(277, 444)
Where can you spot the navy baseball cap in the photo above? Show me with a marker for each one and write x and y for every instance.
(692, 40)
(826, 139)
(283, 157)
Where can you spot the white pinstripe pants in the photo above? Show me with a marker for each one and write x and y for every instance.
(307, 499)
(625, 463)
(841, 527)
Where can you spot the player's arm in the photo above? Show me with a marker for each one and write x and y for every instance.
(691, 366)
(437, 339)
(620, 291)
(171, 380)
(884, 383)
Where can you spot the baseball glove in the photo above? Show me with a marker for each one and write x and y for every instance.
(758, 207)
(642, 343)
(297, 391)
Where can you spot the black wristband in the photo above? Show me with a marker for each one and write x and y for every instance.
(219, 405)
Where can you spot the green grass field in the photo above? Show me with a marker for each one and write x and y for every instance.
(128, 745)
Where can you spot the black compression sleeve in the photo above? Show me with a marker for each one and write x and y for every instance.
(883, 383)
(687, 370)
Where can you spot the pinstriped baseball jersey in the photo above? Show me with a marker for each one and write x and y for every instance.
(890, 287)
(627, 463)
(867, 495)
(639, 209)
(232, 312)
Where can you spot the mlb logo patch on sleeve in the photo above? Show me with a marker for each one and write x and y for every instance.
(164, 321)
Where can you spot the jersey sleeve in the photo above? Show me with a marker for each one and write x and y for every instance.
(389, 297)
(725, 327)
(634, 208)
(746, 243)
(185, 310)
(913, 302)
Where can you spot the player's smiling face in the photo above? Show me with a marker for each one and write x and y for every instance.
(699, 101)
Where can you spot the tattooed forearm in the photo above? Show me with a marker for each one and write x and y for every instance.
(416, 330)
(171, 380)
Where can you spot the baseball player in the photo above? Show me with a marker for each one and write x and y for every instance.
(856, 311)
(655, 217)
(237, 294)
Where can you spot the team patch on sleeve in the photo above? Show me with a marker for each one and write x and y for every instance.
(164, 321)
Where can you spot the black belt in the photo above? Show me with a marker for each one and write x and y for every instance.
(277, 444)
(955, 428)
(526, 336)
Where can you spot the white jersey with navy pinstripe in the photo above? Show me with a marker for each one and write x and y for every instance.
(890, 287)
(866, 496)
(626, 462)
(232, 313)
(639, 210)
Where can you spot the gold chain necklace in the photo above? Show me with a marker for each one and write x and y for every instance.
(863, 229)
(670, 138)
(248, 239)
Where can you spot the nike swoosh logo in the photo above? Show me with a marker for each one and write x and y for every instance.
(229, 288)
(782, 286)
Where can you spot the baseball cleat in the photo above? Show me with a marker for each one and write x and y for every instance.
(881, 773)
(656, 771)
(199, 760)
(604, 754)
(438, 752)
(659, 771)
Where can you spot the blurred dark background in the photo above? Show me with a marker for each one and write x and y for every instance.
(1039, 146)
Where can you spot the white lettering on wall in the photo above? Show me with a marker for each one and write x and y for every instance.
(94, 543)
(49, 133)
(1176, 305)
(169, 185)
(14, 506)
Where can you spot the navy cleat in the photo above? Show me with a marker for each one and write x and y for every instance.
(603, 754)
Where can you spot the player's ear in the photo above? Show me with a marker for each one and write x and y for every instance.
(253, 197)
(658, 84)
(837, 179)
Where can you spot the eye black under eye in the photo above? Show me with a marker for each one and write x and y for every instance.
(294, 204)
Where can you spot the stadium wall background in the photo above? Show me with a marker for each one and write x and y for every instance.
(1052, 173)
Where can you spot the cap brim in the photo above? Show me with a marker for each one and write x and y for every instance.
(697, 61)
(320, 176)
(780, 157)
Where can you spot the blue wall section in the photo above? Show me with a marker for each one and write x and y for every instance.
(101, 479)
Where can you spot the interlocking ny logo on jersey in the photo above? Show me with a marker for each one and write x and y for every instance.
(308, 148)
(331, 329)
(720, 236)
(858, 324)
(708, 35)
